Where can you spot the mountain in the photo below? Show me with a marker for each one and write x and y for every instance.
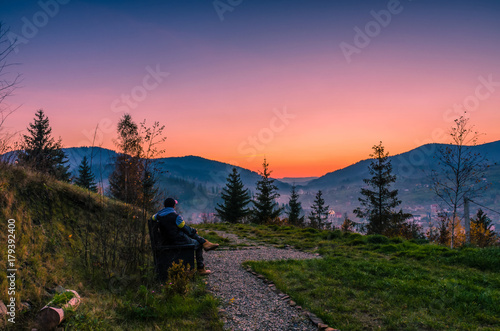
(190, 168)
(197, 182)
(410, 166)
(297, 180)
(341, 188)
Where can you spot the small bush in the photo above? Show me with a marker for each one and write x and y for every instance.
(336, 234)
(377, 239)
(396, 240)
(178, 279)
(391, 248)
(479, 258)
(420, 241)
(357, 242)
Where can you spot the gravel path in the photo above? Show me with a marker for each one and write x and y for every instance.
(248, 302)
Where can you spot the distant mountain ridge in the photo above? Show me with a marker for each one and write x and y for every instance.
(407, 166)
(198, 181)
(192, 168)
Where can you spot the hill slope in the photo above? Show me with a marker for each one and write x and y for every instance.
(67, 236)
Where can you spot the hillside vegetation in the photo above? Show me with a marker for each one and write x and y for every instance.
(66, 236)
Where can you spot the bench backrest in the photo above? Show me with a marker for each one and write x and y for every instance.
(154, 233)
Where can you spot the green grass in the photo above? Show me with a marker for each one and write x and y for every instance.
(147, 308)
(372, 282)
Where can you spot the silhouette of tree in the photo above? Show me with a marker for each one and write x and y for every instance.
(460, 169)
(235, 199)
(125, 182)
(378, 203)
(295, 209)
(319, 213)
(86, 178)
(482, 234)
(40, 152)
(266, 209)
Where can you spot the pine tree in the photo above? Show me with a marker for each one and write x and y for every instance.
(482, 234)
(295, 209)
(319, 213)
(379, 202)
(235, 198)
(125, 182)
(266, 209)
(347, 225)
(40, 151)
(86, 178)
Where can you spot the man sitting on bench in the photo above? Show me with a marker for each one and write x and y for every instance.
(174, 231)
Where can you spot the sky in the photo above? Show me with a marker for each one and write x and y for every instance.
(310, 85)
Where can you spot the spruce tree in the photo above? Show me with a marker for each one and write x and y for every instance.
(266, 209)
(86, 178)
(319, 213)
(295, 209)
(235, 197)
(378, 203)
(482, 233)
(40, 151)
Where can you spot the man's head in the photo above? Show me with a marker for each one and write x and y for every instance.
(169, 202)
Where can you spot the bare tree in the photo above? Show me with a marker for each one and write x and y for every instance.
(460, 169)
(8, 83)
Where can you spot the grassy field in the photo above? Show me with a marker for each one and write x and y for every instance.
(372, 282)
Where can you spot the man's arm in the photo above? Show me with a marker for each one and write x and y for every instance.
(184, 227)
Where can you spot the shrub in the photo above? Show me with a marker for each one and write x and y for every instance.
(310, 230)
(377, 239)
(396, 240)
(336, 234)
(178, 279)
(356, 242)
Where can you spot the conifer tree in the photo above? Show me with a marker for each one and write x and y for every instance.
(347, 225)
(236, 198)
(295, 209)
(266, 209)
(482, 234)
(40, 152)
(319, 213)
(86, 178)
(379, 202)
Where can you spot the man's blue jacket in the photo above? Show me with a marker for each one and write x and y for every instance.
(173, 229)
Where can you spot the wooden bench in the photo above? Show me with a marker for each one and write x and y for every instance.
(165, 255)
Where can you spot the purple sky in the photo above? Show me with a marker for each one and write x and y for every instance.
(239, 80)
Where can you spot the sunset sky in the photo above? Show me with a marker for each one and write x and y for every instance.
(311, 85)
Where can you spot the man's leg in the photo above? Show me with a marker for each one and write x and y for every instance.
(206, 245)
(199, 257)
(199, 239)
(198, 248)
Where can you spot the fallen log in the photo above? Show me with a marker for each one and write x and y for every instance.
(49, 317)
